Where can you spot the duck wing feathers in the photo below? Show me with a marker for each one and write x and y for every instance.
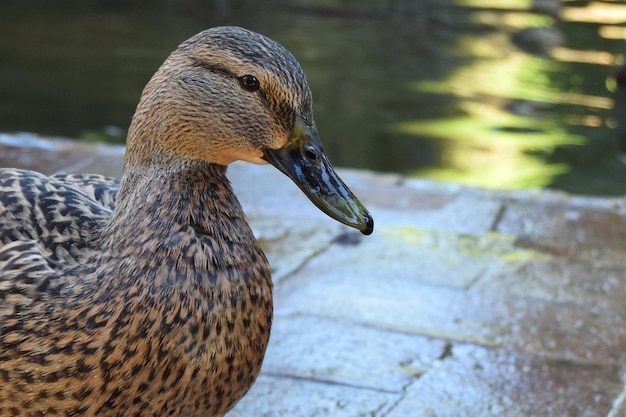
(48, 226)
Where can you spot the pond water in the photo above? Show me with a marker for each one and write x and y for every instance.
(493, 93)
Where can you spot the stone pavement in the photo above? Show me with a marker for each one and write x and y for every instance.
(464, 302)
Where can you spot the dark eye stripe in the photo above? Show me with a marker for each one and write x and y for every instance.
(248, 82)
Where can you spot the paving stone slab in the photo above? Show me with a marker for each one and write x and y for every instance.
(288, 244)
(273, 396)
(426, 295)
(404, 254)
(560, 280)
(592, 233)
(347, 353)
(29, 151)
(435, 212)
(430, 208)
(479, 382)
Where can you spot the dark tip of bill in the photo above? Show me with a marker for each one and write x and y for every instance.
(369, 224)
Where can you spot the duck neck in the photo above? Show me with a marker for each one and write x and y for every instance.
(192, 280)
(154, 205)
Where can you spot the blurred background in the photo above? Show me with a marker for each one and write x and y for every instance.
(492, 93)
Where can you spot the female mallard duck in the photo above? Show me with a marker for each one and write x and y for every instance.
(149, 296)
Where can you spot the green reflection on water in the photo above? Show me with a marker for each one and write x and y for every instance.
(511, 118)
(474, 152)
(489, 146)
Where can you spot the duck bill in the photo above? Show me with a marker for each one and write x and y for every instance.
(303, 160)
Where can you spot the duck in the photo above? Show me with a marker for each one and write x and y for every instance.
(148, 295)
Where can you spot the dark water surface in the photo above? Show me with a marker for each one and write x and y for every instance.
(503, 94)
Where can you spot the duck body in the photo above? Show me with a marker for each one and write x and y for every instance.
(148, 296)
(187, 338)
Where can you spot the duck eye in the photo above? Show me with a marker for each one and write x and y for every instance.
(249, 82)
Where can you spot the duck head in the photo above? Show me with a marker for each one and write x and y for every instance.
(230, 94)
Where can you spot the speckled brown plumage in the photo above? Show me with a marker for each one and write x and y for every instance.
(149, 296)
(157, 346)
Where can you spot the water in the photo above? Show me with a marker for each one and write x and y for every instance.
(502, 94)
